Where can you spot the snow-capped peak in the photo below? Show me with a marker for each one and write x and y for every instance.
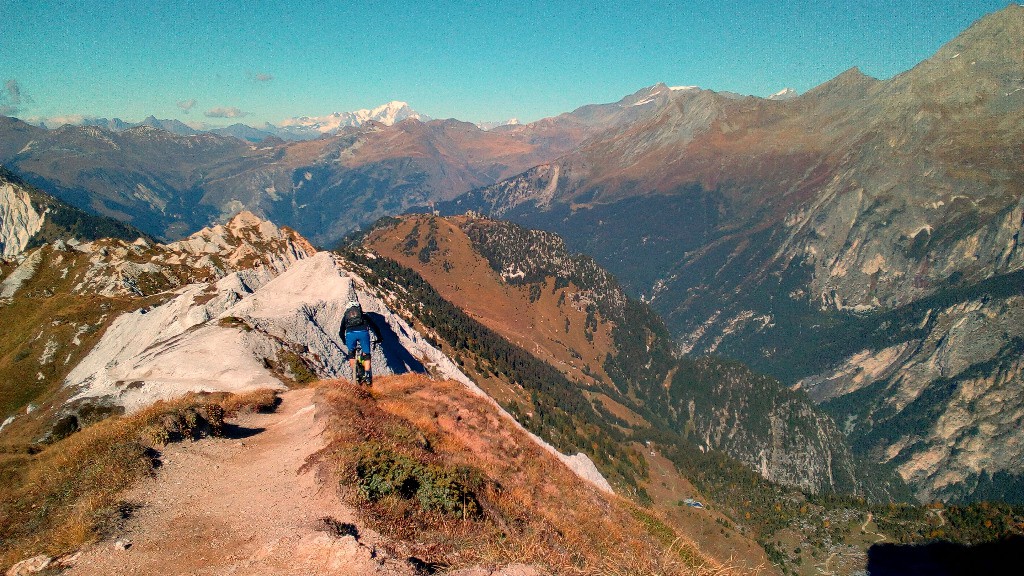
(493, 125)
(387, 114)
(392, 112)
(784, 94)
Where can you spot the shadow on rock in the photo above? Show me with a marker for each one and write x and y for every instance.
(947, 559)
(236, 432)
(399, 360)
(423, 567)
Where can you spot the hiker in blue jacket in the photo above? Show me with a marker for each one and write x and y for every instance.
(355, 328)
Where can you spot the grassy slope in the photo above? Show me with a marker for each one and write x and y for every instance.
(468, 488)
(460, 274)
(535, 321)
(42, 324)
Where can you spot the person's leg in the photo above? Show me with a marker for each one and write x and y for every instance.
(351, 337)
(365, 346)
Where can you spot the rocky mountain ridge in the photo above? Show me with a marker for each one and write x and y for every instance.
(324, 187)
(797, 235)
(60, 298)
(235, 307)
(615, 349)
(296, 128)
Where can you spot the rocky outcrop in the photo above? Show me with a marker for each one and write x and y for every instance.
(235, 307)
(19, 219)
(33, 565)
(141, 268)
(943, 407)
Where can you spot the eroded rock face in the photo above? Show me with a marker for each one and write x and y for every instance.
(19, 220)
(776, 432)
(25, 270)
(944, 407)
(814, 235)
(872, 251)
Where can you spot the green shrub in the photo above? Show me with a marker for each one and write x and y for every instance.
(295, 366)
(381, 472)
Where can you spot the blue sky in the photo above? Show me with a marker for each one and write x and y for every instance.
(259, 61)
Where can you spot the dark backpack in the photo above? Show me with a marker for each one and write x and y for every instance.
(354, 318)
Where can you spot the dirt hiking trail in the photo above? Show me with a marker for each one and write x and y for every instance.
(240, 505)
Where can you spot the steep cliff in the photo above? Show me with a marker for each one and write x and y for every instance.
(803, 236)
(19, 220)
(30, 217)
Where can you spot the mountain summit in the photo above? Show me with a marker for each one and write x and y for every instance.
(386, 114)
(982, 63)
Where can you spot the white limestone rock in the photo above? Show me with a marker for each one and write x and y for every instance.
(19, 220)
(24, 272)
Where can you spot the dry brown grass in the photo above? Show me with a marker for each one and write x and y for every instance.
(461, 275)
(531, 509)
(262, 400)
(55, 500)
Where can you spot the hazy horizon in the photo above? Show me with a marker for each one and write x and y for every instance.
(228, 62)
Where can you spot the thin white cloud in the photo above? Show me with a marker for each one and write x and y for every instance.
(58, 121)
(225, 112)
(187, 105)
(12, 98)
(263, 77)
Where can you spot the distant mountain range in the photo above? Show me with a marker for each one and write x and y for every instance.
(386, 114)
(303, 127)
(171, 184)
(297, 128)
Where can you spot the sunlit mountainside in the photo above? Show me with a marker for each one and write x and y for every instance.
(685, 332)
